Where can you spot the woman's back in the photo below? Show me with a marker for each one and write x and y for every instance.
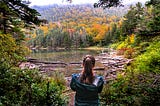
(87, 85)
(86, 94)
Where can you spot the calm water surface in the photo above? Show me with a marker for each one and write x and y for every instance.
(67, 57)
(63, 56)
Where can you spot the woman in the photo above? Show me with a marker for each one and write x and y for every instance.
(86, 84)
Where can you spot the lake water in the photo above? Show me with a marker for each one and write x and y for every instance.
(70, 56)
(67, 56)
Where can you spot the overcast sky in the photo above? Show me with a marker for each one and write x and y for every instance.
(49, 2)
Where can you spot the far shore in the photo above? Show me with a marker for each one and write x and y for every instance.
(60, 48)
(94, 48)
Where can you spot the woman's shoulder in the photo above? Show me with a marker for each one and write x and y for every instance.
(76, 75)
(98, 80)
(98, 77)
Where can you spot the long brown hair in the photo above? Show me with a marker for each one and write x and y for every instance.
(87, 75)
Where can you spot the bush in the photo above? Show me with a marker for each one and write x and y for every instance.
(150, 60)
(132, 90)
(140, 86)
(28, 87)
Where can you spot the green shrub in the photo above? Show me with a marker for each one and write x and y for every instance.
(132, 90)
(150, 60)
(140, 86)
(28, 87)
(58, 77)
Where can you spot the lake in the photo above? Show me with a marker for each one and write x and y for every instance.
(66, 56)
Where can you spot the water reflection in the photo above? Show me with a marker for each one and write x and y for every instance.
(62, 56)
(73, 59)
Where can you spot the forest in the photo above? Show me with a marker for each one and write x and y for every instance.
(133, 30)
(75, 26)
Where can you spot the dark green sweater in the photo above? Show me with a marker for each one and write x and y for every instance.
(86, 95)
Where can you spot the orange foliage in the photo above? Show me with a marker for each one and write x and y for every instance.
(71, 31)
(34, 35)
(98, 31)
(120, 23)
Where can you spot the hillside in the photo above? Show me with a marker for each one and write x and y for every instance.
(75, 25)
(62, 13)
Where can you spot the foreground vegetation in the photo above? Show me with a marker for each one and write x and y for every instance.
(140, 85)
(28, 87)
(23, 87)
(136, 36)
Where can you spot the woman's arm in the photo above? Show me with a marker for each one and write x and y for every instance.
(73, 83)
(100, 84)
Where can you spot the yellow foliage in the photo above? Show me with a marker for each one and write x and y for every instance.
(80, 32)
(10, 51)
(45, 29)
(82, 25)
(120, 23)
(7, 43)
(51, 25)
(34, 35)
(132, 38)
(110, 19)
(88, 30)
(72, 24)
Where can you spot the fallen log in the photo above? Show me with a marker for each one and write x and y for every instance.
(44, 62)
(99, 68)
(75, 63)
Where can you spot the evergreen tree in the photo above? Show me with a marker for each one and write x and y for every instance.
(132, 19)
(14, 11)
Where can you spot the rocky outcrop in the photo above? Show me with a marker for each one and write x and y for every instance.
(113, 64)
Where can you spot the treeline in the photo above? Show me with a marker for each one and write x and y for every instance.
(75, 26)
(56, 13)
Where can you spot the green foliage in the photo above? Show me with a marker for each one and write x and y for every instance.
(114, 45)
(58, 77)
(150, 60)
(126, 48)
(154, 24)
(132, 19)
(28, 87)
(54, 38)
(13, 10)
(22, 87)
(140, 85)
(132, 90)
(149, 24)
(10, 52)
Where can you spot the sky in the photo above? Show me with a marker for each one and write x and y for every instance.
(49, 2)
